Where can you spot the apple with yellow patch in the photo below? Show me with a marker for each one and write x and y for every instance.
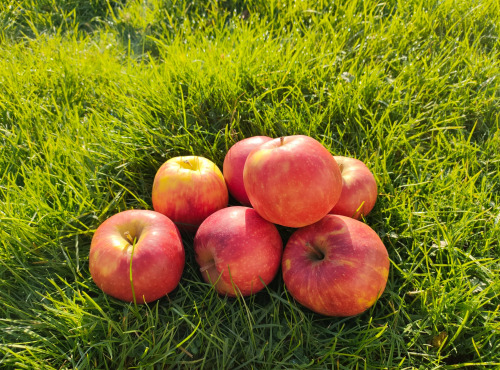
(137, 256)
(238, 252)
(335, 267)
(234, 162)
(188, 190)
(292, 181)
(359, 189)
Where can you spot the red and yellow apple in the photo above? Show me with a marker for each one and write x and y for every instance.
(238, 251)
(359, 189)
(137, 255)
(335, 267)
(188, 190)
(234, 162)
(292, 181)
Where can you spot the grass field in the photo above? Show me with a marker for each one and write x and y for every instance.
(96, 95)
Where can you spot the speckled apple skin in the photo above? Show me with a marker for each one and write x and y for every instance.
(233, 165)
(359, 189)
(188, 190)
(158, 256)
(238, 252)
(292, 181)
(351, 276)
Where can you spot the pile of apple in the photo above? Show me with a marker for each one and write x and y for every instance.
(333, 263)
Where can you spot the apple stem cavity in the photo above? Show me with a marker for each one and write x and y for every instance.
(317, 253)
(185, 161)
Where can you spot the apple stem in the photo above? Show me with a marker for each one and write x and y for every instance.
(282, 140)
(315, 251)
(206, 267)
(129, 237)
(341, 166)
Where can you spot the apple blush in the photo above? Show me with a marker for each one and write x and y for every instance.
(292, 181)
(337, 266)
(137, 256)
(359, 189)
(188, 190)
(234, 162)
(238, 252)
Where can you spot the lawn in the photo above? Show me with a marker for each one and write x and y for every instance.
(96, 95)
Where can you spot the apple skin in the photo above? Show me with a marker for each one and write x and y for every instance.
(359, 189)
(238, 251)
(234, 162)
(335, 267)
(189, 189)
(292, 181)
(158, 256)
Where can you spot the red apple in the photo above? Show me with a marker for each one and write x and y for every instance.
(359, 189)
(234, 163)
(188, 190)
(335, 267)
(137, 253)
(292, 181)
(238, 251)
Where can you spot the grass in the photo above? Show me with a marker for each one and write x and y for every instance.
(96, 95)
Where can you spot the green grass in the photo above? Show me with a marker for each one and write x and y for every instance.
(96, 95)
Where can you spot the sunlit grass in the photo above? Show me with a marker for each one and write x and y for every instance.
(97, 95)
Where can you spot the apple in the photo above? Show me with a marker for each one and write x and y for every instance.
(137, 256)
(292, 181)
(337, 266)
(189, 189)
(238, 251)
(359, 189)
(234, 163)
